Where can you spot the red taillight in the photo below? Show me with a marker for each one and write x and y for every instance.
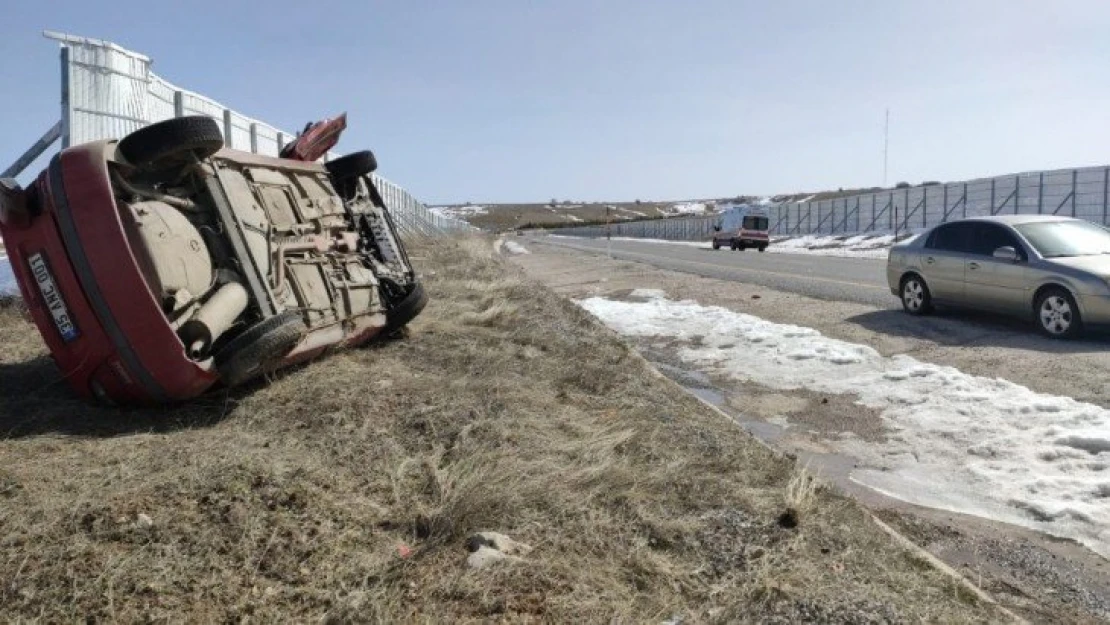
(13, 204)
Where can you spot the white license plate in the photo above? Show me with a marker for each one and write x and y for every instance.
(52, 298)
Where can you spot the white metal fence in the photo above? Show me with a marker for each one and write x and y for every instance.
(108, 91)
(1081, 193)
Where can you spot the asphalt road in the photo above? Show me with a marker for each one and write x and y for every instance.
(824, 277)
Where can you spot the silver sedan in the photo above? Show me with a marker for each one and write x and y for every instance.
(1053, 268)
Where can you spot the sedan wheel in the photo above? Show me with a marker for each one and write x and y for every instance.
(915, 296)
(1057, 314)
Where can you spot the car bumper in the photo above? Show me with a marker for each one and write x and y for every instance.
(1095, 309)
(87, 295)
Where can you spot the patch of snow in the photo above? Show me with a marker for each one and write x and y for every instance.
(516, 248)
(970, 444)
(683, 208)
(458, 212)
(574, 218)
(7, 278)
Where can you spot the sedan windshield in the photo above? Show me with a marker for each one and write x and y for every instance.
(1054, 239)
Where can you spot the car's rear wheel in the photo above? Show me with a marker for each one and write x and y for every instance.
(259, 348)
(1057, 315)
(172, 143)
(404, 311)
(763, 248)
(716, 244)
(916, 299)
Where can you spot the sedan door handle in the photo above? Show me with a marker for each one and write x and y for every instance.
(973, 265)
(930, 260)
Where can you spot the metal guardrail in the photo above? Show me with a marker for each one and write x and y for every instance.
(109, 91)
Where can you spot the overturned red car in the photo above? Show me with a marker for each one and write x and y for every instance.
(161, 264)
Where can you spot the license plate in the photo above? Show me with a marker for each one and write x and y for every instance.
(52, 297)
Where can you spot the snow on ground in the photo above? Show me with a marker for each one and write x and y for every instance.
(516, 248)
(7, 278)
(981, 446)
(458, 212)
(687, 207)
(574, 218)
(859, 246)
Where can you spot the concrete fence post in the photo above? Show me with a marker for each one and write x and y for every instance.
(179, 103)
(227, 129)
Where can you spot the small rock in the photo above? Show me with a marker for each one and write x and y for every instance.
(385, 384)
(500, 542)
(486, 556)
(757, 296)
(144, 521)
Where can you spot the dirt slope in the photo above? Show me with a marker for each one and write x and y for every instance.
(507, 409)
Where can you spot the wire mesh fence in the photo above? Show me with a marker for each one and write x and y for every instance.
(109, 91)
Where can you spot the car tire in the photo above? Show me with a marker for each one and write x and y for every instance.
(396, 317)
(915, 296)
(716, 244)
(1056, 314)
(172, 142)
(763, 248)
(734, 246)
(258, 348)
(352, 165)
(741, 247)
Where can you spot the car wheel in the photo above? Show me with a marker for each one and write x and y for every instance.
(741, 247)
(1057, 315)
(258, 348)
(916, 299)
(352, 165)
(734, 246)
(172, 142)
(406, 310)
(716, 244)
(763, 248)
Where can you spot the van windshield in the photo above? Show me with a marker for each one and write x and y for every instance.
(752, 222)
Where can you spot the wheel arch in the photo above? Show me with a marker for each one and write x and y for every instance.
(1056, 284)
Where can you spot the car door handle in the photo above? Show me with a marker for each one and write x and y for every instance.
(973, 265)
(930, 260)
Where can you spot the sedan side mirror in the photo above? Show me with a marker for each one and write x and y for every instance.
(1007, 253)
(716, 228)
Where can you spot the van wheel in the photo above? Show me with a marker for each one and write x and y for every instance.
(172, 142)
(259, 348)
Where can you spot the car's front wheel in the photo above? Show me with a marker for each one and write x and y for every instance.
(1057, 315)
(716, 244)
(916, 299)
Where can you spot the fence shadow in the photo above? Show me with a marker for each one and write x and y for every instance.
(37, 401)
(961, 328)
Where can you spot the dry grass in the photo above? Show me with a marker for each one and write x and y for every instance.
(506, 409)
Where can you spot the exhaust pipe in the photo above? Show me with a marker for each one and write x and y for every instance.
(213, 319)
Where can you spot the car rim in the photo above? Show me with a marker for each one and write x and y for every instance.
(1056, 315)
(913, 295)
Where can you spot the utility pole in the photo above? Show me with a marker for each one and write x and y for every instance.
(886, 145)
(608, 233)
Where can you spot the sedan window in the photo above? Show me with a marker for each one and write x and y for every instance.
(989, 237)
(1055, 239)
(953, 237)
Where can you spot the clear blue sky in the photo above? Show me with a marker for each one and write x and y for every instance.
(504, 100)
